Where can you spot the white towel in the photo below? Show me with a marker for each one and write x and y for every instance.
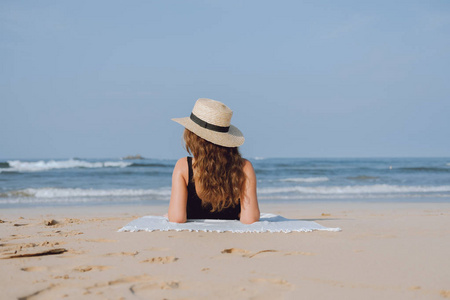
(267, 223)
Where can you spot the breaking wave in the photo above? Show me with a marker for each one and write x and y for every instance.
(379, 189)
(77, 195)
(70, 192)
(24, 166)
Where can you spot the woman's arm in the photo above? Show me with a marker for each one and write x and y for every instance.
(178, 197)
(249, 200)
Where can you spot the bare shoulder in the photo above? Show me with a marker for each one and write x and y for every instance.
(181, 163)
(247, 164)
(181, 168)
(248, 168)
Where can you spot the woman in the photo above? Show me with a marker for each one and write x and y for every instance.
(217, 183)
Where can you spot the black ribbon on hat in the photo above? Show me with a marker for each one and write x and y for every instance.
(207, 125)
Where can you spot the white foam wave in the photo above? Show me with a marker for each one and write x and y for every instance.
(306, 179)
(352, 196)
(356, 189)
(24, 166)
(77, 193)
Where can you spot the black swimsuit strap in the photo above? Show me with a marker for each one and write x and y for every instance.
(191, 172)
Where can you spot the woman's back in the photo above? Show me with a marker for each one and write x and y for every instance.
(217, 183)
(197, 209)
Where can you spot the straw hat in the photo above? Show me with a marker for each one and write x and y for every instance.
(210, 120)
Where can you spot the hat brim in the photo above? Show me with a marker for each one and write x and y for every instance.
(232, 138)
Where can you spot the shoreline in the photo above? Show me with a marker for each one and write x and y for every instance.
(268, 202)
(392, 250)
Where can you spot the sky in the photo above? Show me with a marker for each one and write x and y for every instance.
(102, 79)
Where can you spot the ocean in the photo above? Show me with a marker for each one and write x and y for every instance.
(72, 182)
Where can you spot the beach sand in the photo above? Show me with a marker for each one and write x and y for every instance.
(384, 251)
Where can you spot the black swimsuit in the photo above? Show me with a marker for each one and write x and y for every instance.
(195, 209)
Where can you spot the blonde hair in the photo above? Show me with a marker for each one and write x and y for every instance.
(218, 172)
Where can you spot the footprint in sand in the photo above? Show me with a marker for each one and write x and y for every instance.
(141, 288)
(51, 244)
(445, 293)
(245, 253)
(19, 247)
(71, 233)
(91, 268)
(35, 269)
(160, 260)
(142, 285)
(123, 280)
(71, 221)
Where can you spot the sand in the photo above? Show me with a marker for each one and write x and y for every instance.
(384, 251)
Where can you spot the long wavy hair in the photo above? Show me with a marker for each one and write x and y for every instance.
(218, 172)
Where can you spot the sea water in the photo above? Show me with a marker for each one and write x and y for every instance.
(148, 181)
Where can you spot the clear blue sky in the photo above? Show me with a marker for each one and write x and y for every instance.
(304, 78)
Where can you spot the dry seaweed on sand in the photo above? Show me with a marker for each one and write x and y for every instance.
(38, 253)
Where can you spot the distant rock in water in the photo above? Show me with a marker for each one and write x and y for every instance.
(137, 156)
